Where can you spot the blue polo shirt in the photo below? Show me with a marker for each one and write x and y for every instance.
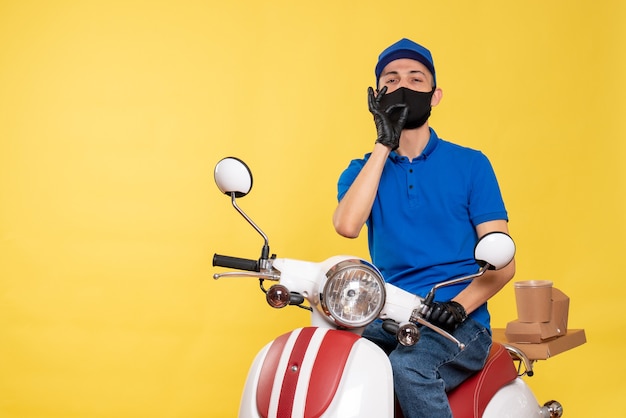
(422, 227)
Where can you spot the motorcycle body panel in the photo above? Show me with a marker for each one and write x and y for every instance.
(317, 372)
(514, 400)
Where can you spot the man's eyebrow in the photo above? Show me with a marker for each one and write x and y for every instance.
(394, 72)
(390, 72)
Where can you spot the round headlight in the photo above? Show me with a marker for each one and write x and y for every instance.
(354, 293)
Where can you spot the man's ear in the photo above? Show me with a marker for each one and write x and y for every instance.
(437, 96)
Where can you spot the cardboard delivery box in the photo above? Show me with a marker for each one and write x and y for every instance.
(536, 332)
(546, 349)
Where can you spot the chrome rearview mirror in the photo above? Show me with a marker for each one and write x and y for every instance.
(494, 250)
(233, 176)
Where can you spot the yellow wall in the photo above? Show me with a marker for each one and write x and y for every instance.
(113, 114)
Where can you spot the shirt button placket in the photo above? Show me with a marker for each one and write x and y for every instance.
(412, 190)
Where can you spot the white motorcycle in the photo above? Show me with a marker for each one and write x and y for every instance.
(327, 369)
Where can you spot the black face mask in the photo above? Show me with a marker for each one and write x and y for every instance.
(418, 103)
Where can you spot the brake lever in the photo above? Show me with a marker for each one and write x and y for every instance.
(439, 331)
(267, 276)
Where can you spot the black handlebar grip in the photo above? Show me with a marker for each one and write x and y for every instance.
(235, 263)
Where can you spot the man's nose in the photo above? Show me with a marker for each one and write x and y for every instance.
(403, 83)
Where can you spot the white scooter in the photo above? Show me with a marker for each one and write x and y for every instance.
(327, 369)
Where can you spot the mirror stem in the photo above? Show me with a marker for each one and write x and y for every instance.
(431, 295)
(265, 253)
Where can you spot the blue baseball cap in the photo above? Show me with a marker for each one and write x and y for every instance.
(405, 48)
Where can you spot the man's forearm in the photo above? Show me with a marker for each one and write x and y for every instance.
(483, 288)
(356, 205)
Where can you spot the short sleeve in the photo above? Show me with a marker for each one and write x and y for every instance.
(486, 203)
(348, 176)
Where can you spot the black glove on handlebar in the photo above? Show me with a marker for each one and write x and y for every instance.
(388, 132)
(446, 315)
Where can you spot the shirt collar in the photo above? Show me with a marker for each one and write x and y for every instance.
(433, 141)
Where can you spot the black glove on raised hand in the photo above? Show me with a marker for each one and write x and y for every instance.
(388, 131)
(446, 315)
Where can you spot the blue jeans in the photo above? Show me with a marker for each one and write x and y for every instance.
(422, 374)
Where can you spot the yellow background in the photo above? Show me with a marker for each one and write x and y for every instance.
(113, 114)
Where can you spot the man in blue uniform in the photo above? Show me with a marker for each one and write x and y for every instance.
(425, 202)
